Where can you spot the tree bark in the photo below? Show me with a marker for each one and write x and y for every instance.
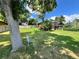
(13, 26)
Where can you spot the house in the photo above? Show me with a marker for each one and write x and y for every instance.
(3, 26)
(57, 25)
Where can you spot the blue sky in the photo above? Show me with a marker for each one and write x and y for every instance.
(69, 8)
(65, 7)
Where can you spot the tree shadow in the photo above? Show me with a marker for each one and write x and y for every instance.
(44, 41)
(4, 51)
(46, 45)
(65, 41)
(5, 46)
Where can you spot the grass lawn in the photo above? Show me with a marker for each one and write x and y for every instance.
(45, 44)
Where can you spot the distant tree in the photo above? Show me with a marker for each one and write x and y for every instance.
(68, 25)
(76, 23)
(32, 21)
(23, 17)
(60, 19)
(2, 16)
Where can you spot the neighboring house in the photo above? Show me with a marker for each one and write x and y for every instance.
(57, 25)
(3, 26)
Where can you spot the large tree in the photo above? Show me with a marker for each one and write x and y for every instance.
(13, 24)
(47, 5)
(60, 19)
(14, 8)
(32, 21)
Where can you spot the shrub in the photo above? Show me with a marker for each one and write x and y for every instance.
(46, 25)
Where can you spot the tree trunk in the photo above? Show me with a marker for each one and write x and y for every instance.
(13, 26)
(43, 19)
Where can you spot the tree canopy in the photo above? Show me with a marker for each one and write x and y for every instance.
(19, 6)
(44, 5)
(60, 19)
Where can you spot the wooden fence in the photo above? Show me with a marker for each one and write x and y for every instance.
(4, 28)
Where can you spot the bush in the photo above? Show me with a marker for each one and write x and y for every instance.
(46, 25)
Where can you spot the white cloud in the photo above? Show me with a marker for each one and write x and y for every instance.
(71, 17)
(53, 17)
(68, 18)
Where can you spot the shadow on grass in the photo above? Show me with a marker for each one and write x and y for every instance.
(46, 45)
(4, 51)
(43, 41)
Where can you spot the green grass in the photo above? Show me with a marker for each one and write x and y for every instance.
(43, 42)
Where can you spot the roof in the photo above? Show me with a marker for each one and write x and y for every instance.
(3, 23)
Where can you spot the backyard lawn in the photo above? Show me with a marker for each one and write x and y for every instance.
(58, 44)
